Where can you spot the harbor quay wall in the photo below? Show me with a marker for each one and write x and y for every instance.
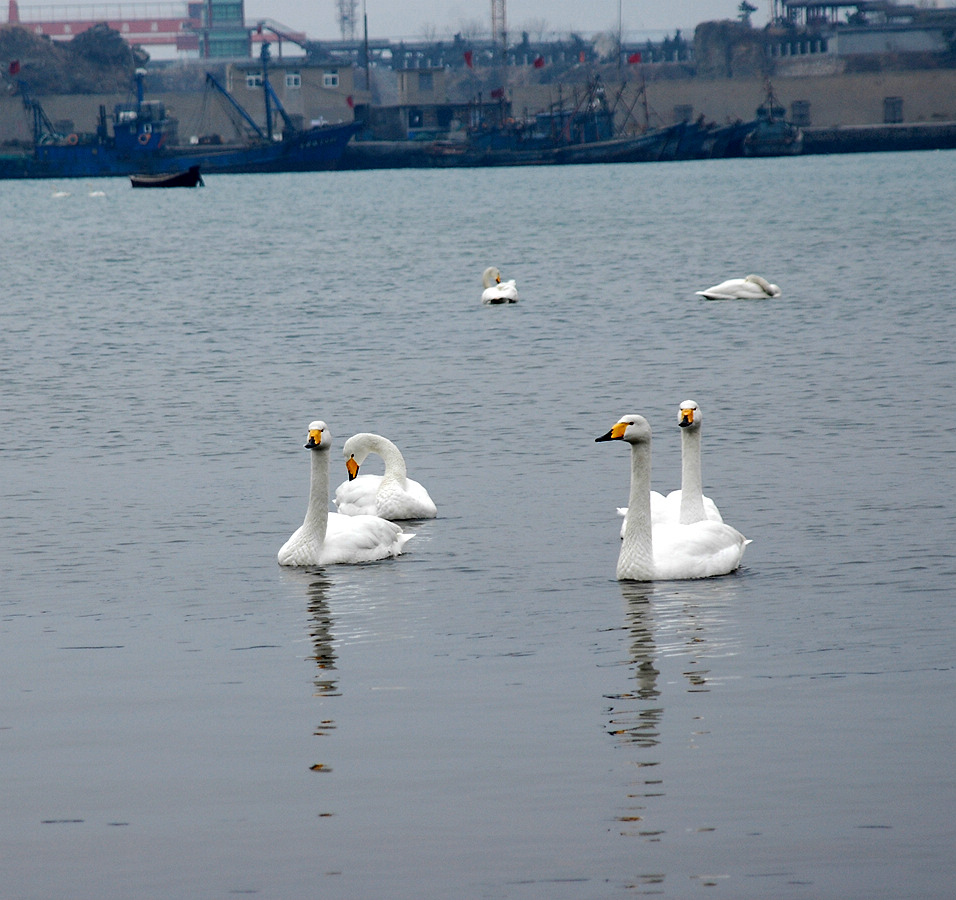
(826, 101)
(923, 96)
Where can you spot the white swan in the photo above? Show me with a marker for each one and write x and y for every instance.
(326, 538)
(753, 287)
(666, 551)
(393, 495)
(496, 290)
(687, 504)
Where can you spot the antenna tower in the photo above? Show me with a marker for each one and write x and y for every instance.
(347, 13)
(499, 25)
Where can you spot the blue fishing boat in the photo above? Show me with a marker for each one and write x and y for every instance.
(142, 142)
(772, 134)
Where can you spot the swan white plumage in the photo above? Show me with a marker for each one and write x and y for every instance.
(496, 290)
(687, 504)
(666, 551)
(393, 495)
(326, 538)
(753, 287)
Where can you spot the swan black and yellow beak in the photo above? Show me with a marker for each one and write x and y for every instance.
(352, 466)
(615, 434)
(315, 439)
(686, 418)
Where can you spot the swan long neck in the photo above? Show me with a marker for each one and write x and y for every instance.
(394, 461)
(317, 515)
(636, 560)
(692, 487)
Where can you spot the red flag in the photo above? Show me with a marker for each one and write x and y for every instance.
(350, 101)
(581, 57)
(469, 59)
(497, 93)
(634, 58)
(539, 62)
(15, 67)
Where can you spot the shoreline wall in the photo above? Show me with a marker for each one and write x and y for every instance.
(927, 97)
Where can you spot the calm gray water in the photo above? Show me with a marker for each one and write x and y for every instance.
(492, 715)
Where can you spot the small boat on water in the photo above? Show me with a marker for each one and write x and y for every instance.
(190, 178)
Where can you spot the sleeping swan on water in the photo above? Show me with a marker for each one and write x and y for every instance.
(393, 495)
(326, 538)
(496, 290)
(687, 504)
(666, 551)
(753, 287)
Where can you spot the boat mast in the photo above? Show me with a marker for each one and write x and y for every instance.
(264, 56)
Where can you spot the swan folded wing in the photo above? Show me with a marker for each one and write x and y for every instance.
(732, 289)
(410, 501)
(701, 550)
(753, 287)
(373, 495)
(357, 497)
(304, 548)
(506, 292)
(351, 539)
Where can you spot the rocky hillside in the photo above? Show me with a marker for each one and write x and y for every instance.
(96, 61)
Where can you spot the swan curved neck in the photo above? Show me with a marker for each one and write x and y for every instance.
(392, 456)
(692, 487)
(636, 560)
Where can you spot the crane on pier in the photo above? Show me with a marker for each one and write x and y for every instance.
(499, 24)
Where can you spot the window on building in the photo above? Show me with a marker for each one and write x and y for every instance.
(253, 80)
(330, 78)
(800, 113)
(293, 80)
(892, 110)
(425, 82)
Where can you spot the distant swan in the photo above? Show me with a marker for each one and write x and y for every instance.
(496, 290)
(393, 495)
(687, 504)
(326, 538)
(753, 287)
(666, 551)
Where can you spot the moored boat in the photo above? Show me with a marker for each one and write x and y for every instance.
(772, 134)
(144, 142)
(563, 135)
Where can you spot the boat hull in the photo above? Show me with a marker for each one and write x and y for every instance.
(307, 151)
(190, 178)
(649, 147)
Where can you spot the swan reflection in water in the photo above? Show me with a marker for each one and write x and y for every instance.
(636, 714)
(663, 622)
(323, 642)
